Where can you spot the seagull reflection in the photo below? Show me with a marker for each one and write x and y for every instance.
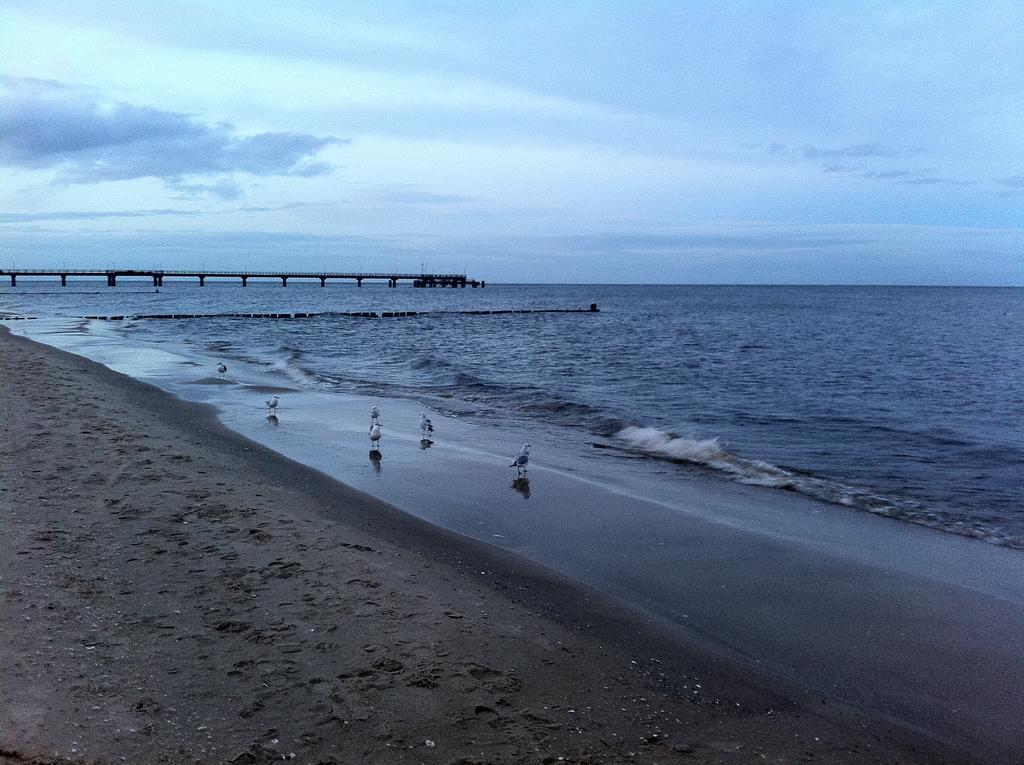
(272, 419)
(375, 460)
(522, 485)
(426, 443)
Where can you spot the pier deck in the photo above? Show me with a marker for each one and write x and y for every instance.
(158, 276)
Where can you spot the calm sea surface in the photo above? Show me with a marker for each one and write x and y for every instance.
(907, 402)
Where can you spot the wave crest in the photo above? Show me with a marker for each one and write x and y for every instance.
(708, 452)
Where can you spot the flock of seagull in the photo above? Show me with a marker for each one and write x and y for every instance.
(520, 462)
(426, 429)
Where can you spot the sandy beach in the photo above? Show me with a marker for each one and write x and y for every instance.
(172, 592)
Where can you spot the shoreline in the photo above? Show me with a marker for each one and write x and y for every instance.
(701, 458)
(497, 662)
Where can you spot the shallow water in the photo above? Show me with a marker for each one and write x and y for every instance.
(906, 402)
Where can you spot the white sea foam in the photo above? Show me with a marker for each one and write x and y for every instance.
(708, 452)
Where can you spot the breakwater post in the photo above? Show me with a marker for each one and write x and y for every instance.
(351, 314)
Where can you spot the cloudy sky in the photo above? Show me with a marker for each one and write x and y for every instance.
(692, 142)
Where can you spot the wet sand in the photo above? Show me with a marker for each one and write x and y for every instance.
(172, 592)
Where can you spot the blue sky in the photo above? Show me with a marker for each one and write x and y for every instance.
(693, 142)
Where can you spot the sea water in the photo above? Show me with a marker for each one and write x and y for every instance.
(904, 402)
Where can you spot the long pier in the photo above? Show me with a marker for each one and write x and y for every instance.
(111, 275)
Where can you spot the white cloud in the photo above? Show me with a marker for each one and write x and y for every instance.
(45, 125)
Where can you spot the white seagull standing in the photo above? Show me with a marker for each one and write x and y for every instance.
(522, 459)
(426, 427)
(374, 415)
(272, 403)
(375, 436)
(222, 368)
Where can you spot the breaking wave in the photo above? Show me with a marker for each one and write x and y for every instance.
(710, 454)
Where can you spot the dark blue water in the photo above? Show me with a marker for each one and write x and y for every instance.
(907, 402)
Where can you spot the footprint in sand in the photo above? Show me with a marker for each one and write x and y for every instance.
(284, 569)
(368, 583)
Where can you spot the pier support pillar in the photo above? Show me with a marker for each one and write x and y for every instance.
(359, 282)
(392, 282)
(202, 280)
(63, 280)
(14, 280)
(111, 280)
(245, 281)
(323, 280)
(284, 281)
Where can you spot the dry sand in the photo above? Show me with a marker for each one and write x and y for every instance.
(171, 592)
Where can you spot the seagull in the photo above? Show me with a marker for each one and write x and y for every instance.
(222, 368)
(374, 415)
(375, 436)
(272, 403)
(426, 426)
(522, 459)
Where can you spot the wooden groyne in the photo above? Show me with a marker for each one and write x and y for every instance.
(158, 276)
(313, 314)
(309, 315)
